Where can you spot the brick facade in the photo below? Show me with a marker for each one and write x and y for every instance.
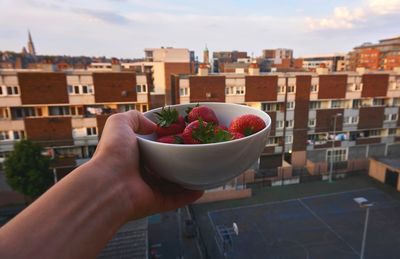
(375, 85)
(114, 87)
(371, 117)
(213, 86)
(325, 120)
(43, 88)
(50, 131)
(261, 88)
(332, 86)
(303, 84)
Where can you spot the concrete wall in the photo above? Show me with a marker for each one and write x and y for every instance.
(224, 195)
(377, 170)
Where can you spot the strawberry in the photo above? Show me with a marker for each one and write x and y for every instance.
(201, 132)
(203, 112)
(173, 139)
(236, 135)
(247, 124)
(169, 122)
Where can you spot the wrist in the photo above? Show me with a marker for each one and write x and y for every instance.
(113, 187)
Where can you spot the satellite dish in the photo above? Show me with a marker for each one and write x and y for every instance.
(235, 228)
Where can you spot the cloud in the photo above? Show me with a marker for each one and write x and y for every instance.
(105, 16)
(347, 18)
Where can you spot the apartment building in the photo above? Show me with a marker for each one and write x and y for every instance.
(333, 62)
(220, 58)
(384, 55)
(161, 63)
(65, 111)
(345, 116)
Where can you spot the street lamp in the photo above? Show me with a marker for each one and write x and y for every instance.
(333, 145)
(364, 203)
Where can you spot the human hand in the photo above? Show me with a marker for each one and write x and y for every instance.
(118, 154)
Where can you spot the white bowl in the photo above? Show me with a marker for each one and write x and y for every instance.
(205, 166)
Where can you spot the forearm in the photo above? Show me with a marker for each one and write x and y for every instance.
(74, 219)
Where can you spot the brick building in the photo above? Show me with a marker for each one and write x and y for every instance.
(65, 111)
(304, 108)
(384, 55)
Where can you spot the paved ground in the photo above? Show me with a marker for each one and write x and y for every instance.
(165, 237)
(292, 222)
(328, 226)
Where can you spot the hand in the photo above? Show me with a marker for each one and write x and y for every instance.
(118, 153)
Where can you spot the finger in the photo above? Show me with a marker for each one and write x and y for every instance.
(137, 122)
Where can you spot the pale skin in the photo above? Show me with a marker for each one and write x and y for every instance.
(80, 214)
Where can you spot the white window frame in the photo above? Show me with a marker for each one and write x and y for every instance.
(291, 89)
(339, 154)
(281, 89)
(312, 123)
(391, 117)
(392, 131)
(290, 105)
(381, 100)
(314, 88)
(184, 91)
(15, 91)
(290, 124)
(5, 136)
(336, 103)
(314, 105)
(288, 139)
(91, 131)
(279, 124)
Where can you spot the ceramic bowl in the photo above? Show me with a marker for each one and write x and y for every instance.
(205, 166)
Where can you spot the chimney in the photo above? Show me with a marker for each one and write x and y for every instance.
(254, 69)
(203, 70)
(115, 65)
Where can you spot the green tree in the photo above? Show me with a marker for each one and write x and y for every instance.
(27, 170)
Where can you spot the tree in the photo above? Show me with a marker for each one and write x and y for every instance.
(27, 170)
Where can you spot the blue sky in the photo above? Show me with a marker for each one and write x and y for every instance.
(123, 28)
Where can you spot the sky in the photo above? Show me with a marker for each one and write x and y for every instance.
(124, 28)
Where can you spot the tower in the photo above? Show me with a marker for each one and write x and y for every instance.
(31, 47)
(206, 56)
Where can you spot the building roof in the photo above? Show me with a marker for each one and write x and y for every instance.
(392, 162)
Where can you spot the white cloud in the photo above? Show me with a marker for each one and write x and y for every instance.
(347, 18)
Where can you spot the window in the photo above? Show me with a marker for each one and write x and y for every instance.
(315, 105)
(70, 89)
(337, 154)
(268, 107)
(76, 89)
(378, 102)
(138, 88)
(374, 133)
(281, 89)
(184, 91)
(4, 135)
(279, 124)
(85, 89)
(273, 141)
(391, 117)
(291, 89)
(59, 110)
(12, 90)
(357, 87)
(289, 139)
(336, 104)
(90, 89)
(392, 132)
(144, 88)
(18, 135)
(354, 120)
(396, 101)
(311, 123)
(4, 114)
(357, 103)
(240, 90)
(314, 88)
(289, 123)
(317, 139)
(91, 131)
(144, 108)
(290, 105)
(1, 90)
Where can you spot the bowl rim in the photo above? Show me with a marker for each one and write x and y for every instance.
(267, 127)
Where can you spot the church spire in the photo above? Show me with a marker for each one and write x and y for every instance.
(31, 47)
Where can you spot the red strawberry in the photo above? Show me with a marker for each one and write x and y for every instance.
(205, 113)
(247, 124)
(236, 135)
(173, 139)
(201, 132)
(169, 122)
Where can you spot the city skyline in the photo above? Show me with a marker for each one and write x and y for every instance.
(123, 28)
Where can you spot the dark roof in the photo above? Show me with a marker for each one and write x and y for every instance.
(392, 162)
(129, 242)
